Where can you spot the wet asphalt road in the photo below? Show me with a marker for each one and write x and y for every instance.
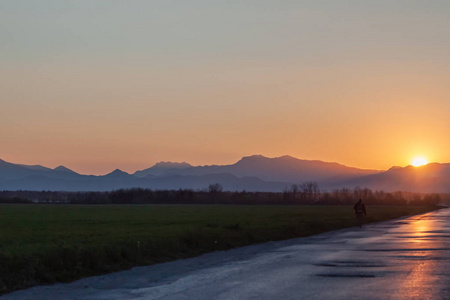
(401, 259)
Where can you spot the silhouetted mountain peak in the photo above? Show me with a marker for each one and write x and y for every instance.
(117, 173)
(252, 159)
(171, 165)
(287, 157)
(63, 169)
(285, 160)
(429, 168)
(36, 167)
(393, 168)
(256, 173)
(255, 156)
(161, 168)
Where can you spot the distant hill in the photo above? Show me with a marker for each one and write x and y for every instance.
(251, 173)
(117, 175)
(64, 169)
(228, 181)
(429, 178)
(162, 168)
(285, 168)
(17, 171)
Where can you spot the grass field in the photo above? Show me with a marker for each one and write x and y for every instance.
(42, 244)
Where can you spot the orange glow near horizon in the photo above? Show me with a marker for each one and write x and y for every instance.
(316, 80)
(419, 161)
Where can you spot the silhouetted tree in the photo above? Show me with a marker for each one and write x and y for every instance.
(294, 191)
(431, 199)
(215, 188)
(310, 191)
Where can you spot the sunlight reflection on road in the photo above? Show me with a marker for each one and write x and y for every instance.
(420, 229)
(428, 262)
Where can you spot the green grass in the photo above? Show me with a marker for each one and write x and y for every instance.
(42, 244)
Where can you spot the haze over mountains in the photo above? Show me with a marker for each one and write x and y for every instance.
(252, 173)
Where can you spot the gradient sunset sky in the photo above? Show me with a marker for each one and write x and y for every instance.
(100, 85)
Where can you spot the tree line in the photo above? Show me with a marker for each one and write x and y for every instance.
(307, 193)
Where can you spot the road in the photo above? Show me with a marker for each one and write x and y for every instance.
(402, 259)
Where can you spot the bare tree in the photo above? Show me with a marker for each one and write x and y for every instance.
(215, 188)
(294, 190)
(310, 191)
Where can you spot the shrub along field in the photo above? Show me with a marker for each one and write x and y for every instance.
(42, 244)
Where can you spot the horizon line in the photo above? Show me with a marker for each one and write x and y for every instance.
(206, 165)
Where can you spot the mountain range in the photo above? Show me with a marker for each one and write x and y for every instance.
(252, 173)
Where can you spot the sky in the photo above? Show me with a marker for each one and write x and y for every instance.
(100, 85)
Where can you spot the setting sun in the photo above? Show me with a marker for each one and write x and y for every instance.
(419, 161)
